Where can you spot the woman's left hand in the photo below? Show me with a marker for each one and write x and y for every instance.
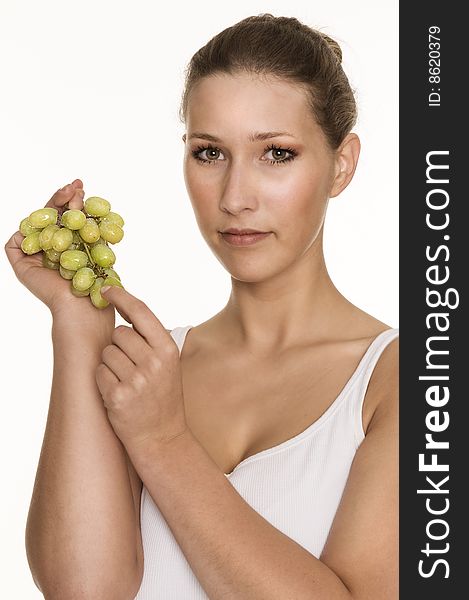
(140, 377)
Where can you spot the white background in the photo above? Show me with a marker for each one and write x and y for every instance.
(92, 90)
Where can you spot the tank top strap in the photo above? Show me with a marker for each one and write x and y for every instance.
(371, 357)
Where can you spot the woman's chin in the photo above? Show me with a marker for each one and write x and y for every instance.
(253, 271)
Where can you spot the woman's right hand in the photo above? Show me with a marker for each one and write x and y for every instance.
(47, 284)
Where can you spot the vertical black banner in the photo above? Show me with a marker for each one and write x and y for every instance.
(434, 320)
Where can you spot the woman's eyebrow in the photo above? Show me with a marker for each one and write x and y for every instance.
(253, 137)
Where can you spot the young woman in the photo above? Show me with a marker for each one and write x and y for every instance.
(253, 456)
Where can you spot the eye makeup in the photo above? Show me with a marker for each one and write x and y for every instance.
(200, 149)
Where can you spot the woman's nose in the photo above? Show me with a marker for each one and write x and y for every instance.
(239, 189)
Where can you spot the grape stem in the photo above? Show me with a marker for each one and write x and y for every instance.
(96, 268)
(89, 255)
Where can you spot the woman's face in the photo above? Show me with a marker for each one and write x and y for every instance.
(236, 179)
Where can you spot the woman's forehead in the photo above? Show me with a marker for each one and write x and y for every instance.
(252, 103)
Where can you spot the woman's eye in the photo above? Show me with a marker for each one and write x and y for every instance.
(212, 154)
(278, 155)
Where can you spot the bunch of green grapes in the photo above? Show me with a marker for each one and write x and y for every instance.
(76, 243)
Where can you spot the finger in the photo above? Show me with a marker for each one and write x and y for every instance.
(72, 192)
(105, 379)
(132, 343)
(136, 312)
(61, 196)
(76, 203)
(69, 198)
(13, 248)
(118, 362)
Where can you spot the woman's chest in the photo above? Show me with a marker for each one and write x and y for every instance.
(239, 408)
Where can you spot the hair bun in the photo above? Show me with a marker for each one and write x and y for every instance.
(334, 46)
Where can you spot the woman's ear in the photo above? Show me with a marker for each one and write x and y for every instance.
(346, 159)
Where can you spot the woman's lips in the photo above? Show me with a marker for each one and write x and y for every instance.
(244, 240)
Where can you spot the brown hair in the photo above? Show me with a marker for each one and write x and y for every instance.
(284, 48)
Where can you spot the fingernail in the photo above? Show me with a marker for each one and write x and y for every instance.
(105, 288)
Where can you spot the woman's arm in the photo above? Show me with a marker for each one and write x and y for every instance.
(363, 544)
(81, 534)
(236, 554)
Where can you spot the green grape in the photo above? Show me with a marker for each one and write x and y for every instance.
(95, 294)
(99, 242)
(113, 217)
(46, 236)
(79, 294)
(83, 279)
(111, 232)
(102, 255)
(96, 206)
(53, 255)
(48, 263)
(75, 246)
(77, 242)
(62, 239)
(113, 281)
(26, 228)
(30, 244)
(89, 233)
(66, 273)
(43, 217)
(73, 259)
(111, 273)
(73, 219)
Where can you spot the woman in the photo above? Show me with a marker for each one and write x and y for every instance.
(260, 445)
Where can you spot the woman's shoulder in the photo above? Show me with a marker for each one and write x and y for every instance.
(366, 328)
(385, 371)
(383, 387)
(382, 392)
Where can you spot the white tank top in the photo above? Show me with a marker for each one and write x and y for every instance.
(296, 485)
